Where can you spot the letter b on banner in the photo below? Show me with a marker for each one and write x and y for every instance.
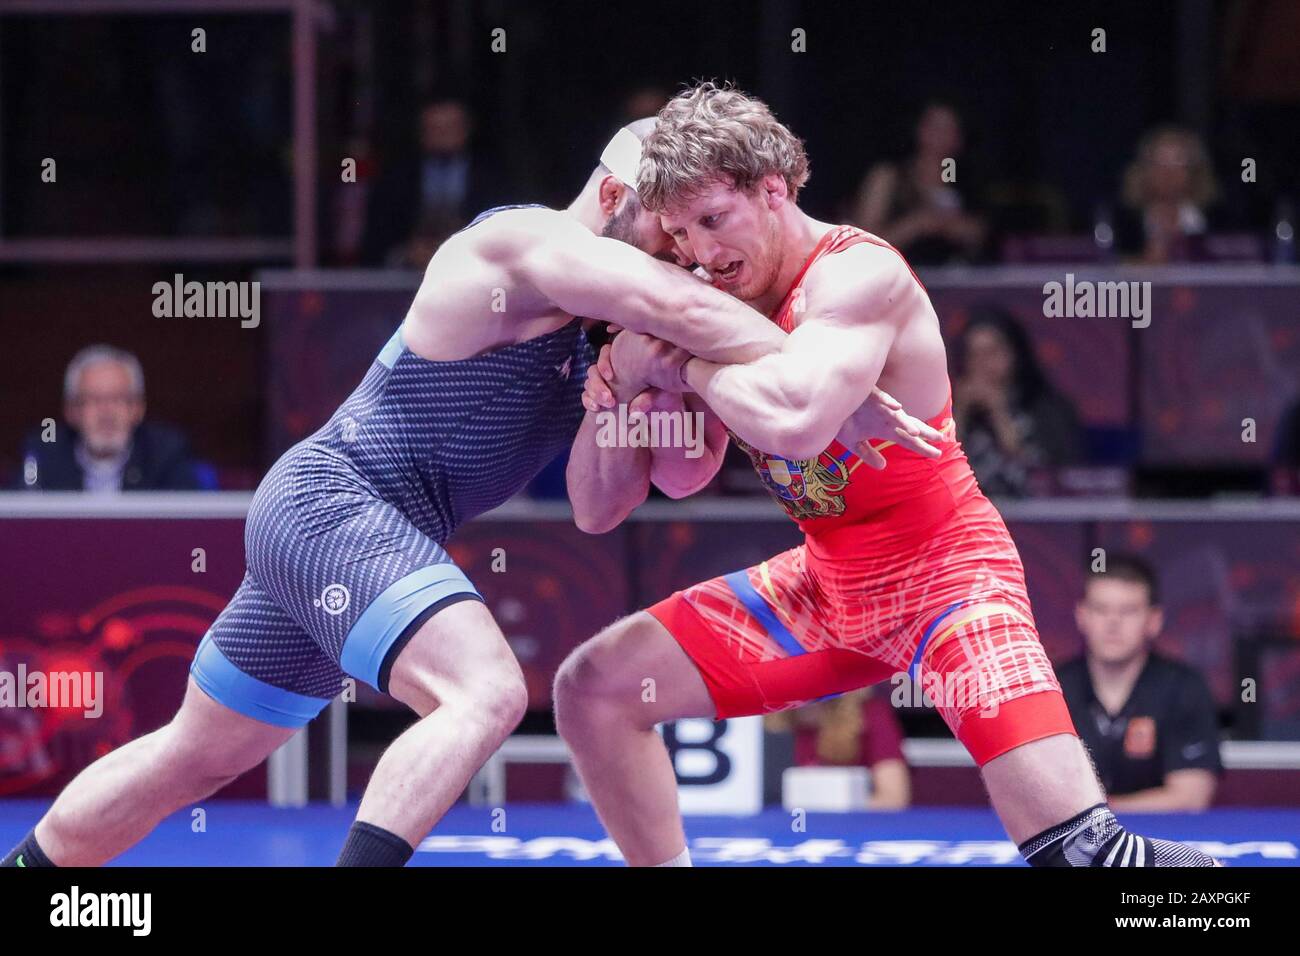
(719, 765)
(697, 762)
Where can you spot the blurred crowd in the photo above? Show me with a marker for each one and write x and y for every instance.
(1168, 206)
(934, 170)
(1015, 423)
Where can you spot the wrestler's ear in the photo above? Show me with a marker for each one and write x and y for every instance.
(775, 190)
(609, 193)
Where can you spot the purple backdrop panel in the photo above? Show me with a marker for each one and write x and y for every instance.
(549, 586)
(675, 555)
(321, 344)
(1087, 359)
(1279, 692)
(1218, 580)
(1244, 339)
(1213, 356)
(117, 597)
(1053, 554)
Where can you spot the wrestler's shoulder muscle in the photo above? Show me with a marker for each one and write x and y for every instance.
(472, 274)
(865, 282)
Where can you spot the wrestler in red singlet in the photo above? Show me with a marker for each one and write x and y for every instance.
(909, 570)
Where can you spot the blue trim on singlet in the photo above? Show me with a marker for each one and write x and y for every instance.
(225, 683)
(496, 209)
(398, 605)
(925, 639)
(738, 581)
(389, 353)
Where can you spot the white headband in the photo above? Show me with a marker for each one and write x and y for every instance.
(622, 157)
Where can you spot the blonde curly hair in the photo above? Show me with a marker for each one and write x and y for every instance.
(713, 132)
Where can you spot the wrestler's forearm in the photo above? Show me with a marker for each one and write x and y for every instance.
(605, 483)
(793, 403)
(768, 406)
(711, 324)
(684, 468)
(607, 279)
(753, 407)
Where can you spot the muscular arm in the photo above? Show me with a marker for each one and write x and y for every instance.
(681, 471)
(606, 483)
(587, 275)
(793, 402)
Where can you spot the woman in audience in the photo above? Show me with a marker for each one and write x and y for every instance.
(917, 205)
(1012, 423)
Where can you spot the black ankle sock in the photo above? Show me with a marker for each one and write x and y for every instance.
(369, 845)
(27, 854)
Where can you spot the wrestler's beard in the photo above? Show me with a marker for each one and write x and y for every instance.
(768, 268)
(622, 225)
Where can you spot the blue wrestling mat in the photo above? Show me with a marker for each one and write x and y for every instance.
(253, 834)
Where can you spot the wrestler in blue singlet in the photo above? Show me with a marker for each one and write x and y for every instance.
(344, 539)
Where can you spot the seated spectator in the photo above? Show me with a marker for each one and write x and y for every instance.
(104, 444)
(858, 729)
(1012, 423)
(911, 206)
(1149, 721)
(418, 202)
(1167, 190)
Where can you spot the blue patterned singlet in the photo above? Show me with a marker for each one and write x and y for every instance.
(344, 539)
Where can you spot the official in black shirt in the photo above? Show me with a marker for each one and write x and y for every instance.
(1148, 721)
